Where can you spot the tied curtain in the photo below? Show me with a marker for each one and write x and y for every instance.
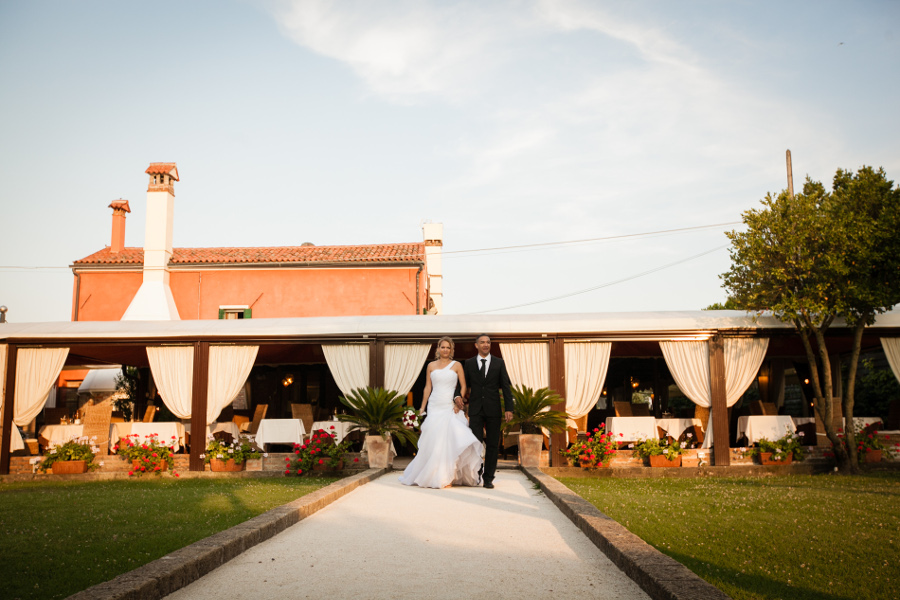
(586, 365)
(229, 367)
(402, 365)
(892, 351)
(528, 363)
(349, 365)
(689, 364)
(173, 371)
(37, 369)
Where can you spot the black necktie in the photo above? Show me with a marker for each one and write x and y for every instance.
(482, 369)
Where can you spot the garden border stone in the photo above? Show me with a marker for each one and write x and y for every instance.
(177, 569)
(660, 576)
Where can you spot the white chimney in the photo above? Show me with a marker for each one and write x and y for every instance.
(154, 300)
(433, 234)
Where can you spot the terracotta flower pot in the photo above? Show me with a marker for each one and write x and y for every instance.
(659, 460)
(766, 459)
(69, 467)
(225, 466)
(530, 446)
(378, 451)
(872, 456)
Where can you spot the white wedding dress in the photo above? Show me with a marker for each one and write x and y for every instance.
(449, 453)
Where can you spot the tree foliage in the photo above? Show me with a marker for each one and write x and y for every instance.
(818, 256)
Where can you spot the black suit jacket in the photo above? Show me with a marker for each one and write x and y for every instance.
(484, 392)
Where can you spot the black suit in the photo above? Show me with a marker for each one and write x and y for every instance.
(485, 409)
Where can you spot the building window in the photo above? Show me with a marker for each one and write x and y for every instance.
(235, 312)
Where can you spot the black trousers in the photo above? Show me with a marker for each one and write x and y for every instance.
(487, 430)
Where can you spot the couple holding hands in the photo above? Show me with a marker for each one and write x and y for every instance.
(450, 447)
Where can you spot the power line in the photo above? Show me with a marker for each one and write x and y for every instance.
(472, 251)
(604, 285)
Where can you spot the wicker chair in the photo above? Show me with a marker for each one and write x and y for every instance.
(623, 409)
(97, 420)
(702, 413)
(304, 412)
(240, 421)
(149, 414)
(640, 410)
(258, 415)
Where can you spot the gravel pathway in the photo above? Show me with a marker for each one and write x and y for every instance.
(387, 540)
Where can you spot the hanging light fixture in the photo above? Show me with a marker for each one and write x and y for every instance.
(288, 380)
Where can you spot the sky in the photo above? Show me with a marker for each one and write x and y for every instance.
(518, 125)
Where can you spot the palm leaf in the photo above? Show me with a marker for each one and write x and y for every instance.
(533, 410)
(378, 411)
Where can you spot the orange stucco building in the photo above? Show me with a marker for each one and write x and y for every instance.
(227, 282)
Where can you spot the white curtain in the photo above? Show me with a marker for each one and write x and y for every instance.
(528, 364)
(36, 371)
(743, 358)
(892, 351)
(173, 372)
(229, 367)
(4, 349)
(349, 365)
(586, 364)
(689, 364)
(402, 365)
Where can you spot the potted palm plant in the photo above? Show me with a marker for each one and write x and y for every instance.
(379, 413)
(532, 413)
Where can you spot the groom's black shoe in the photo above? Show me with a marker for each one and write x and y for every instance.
(488, 485)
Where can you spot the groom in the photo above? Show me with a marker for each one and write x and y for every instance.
(486, 376)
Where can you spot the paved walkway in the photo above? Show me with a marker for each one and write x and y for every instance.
(387, 540)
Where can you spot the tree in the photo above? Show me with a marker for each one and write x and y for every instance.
(730, 304)
(816, 257)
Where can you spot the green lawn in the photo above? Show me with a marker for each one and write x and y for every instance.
(60, 538)
(820, 537)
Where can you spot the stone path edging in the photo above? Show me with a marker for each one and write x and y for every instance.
(173, 571)
(662, 577)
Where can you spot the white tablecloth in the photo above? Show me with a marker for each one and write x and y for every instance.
(226, 426)
(166, 433)
(339, 428)
(675, 427)
(60, 434)
(770, 427)
(632, 428)
(280, 431)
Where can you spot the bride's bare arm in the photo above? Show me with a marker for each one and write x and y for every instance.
(457, 368)
(427, 393)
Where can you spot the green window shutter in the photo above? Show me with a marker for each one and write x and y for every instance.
(248, 313)
(221, 313)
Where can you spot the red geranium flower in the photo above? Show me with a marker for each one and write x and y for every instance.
(355, 460)
(321, 461)
(299, 471)
(287, 472)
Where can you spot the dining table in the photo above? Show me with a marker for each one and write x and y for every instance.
(60, 434)
(771, 427)
(675, 427)
(340, 429)
(280, 431)
(631, 429)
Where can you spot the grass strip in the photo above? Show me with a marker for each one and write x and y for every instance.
(803, 537)
(62, 537)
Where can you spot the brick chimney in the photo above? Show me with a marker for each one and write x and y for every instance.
(120, 207)
(154, 300)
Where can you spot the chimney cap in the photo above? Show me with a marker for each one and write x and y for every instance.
(163, 169)
(120, 205)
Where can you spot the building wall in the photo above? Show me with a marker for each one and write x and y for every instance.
(273, 293)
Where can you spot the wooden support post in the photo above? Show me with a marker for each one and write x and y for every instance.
(721, 434)
(559, 441)
(376, 363)
(12, 352)
(199, 392)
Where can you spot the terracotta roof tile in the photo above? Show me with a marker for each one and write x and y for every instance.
(371, 253)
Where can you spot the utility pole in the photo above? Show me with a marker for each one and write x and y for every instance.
(790, 173)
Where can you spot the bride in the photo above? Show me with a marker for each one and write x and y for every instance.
(449, 453)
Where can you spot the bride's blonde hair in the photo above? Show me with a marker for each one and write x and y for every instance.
(437, 350)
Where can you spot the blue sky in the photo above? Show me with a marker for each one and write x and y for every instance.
(512, 123)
